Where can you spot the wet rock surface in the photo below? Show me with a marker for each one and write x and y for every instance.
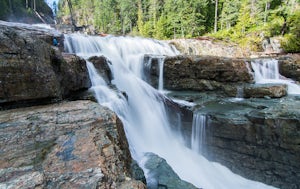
(162, 175)
(257, 138)
(76, 144)
(101, 63)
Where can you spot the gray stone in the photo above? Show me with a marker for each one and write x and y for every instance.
(76, 144)
(162, 175)
(33, 70)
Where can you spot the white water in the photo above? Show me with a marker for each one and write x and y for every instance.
(143, 114)
(161, 74)
(198, 133)
(267, 71)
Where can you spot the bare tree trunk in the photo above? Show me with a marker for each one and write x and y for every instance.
(216, 17)
(266, 13)
(34, 5)
(71, 13)
(10, 6)
(26, 4)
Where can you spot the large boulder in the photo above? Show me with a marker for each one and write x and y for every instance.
(289, 66)
(33, 70)
(76, 144)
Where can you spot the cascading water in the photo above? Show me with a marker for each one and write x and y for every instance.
(198, 133)
(267, 71)
(144, 114)
(161, 74)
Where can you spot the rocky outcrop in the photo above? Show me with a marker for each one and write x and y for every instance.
(75, 144)
(256, 90)
(162, 175)
(265, 90)
(33, 70)
(206, 46)
(289, 66)
(258, 139)
(200, 73)
(102, 65)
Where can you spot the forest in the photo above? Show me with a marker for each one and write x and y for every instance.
(246, 22)
(24, 10)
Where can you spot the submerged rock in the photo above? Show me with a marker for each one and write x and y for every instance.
(75, 144)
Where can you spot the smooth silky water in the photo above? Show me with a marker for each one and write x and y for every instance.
(266, 71)
(144, 114)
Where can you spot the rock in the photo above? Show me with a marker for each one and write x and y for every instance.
(289, 66)
(162, 176)
(76, 144)
(256, 138)
(263, 90)
(132, 184)
(205, 46)
(203, 73)
(256, 90)
(33, 71)
(71, 72)
(102, 65)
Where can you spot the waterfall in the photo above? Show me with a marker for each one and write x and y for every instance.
(143, 113)
(267, 71)
(198, 133)
(161, 74)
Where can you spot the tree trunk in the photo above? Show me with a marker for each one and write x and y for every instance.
(71, 13)
(216, 17)
(10, 6)
(266, 13)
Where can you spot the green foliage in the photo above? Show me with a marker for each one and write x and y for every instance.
(259, 19)
(246, 22)
(291, 42)
(16, 10)
(4, 11)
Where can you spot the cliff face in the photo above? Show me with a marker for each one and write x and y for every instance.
(33, 70)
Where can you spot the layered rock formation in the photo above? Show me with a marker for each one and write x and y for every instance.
(75, 144)
(290, 66)
(206, 46)
(200, 73)
(256, 138)
(230, 76)
(33, 70)
(262, 145)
